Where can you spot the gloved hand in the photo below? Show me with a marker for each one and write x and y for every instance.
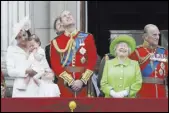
(124, 93)
(77, 85)
(116, 94)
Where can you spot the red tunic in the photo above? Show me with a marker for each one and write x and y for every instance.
(90, 56)
(151, 90)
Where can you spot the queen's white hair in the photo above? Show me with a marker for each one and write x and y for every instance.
(115, 48)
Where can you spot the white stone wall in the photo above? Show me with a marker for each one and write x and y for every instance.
(43, 14)
(11, 13)
(40, 18)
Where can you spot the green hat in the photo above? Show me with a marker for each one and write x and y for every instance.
(122, 38)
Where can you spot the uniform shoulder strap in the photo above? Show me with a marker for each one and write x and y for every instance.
(106, 57)
(139, 46)
(161, 47)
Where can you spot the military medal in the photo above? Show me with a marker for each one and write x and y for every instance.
(162, 66)
(158, 57)
(83, 60)
(161, 72)
(74, 45)
(82, 50)
(82, 43)
(152, 56)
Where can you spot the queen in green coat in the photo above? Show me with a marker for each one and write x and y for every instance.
(121, 75)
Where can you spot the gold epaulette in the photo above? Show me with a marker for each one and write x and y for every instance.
(86, 76)
(69, 44)
(141, 59)
(48, 44)
(139, 46)
(52, 40)
(106, 57)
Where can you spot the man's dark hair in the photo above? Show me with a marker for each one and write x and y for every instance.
(97, 64)
(54, 26)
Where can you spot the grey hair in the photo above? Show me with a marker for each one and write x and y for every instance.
(146, 29)
(129, 49)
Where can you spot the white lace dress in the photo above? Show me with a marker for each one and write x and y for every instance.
(45, 76)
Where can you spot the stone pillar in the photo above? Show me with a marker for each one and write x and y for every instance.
(40, 18)
(11, 12)
(56, 7)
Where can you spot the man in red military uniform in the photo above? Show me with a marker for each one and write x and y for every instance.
(73, 58)
(153, 61)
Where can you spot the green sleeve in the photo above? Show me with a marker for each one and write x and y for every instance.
(105, 87)
(136, 86)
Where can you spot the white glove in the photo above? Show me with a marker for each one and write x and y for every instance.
(124, 93)
(116, 95)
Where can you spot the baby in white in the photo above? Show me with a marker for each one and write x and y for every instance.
(45, 76)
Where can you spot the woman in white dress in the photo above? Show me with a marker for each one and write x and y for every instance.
(45, 76)
(18, 63)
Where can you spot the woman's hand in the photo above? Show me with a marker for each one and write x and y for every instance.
(31, 72)
(116, 94)
(3, 91)
(124, 92)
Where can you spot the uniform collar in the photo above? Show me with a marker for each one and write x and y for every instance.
(71, 34)
(116, 62)
(147, 45)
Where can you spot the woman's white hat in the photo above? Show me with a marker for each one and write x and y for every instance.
(24, 24)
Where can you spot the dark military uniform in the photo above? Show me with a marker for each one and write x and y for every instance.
(47, 53)
(101, 68)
